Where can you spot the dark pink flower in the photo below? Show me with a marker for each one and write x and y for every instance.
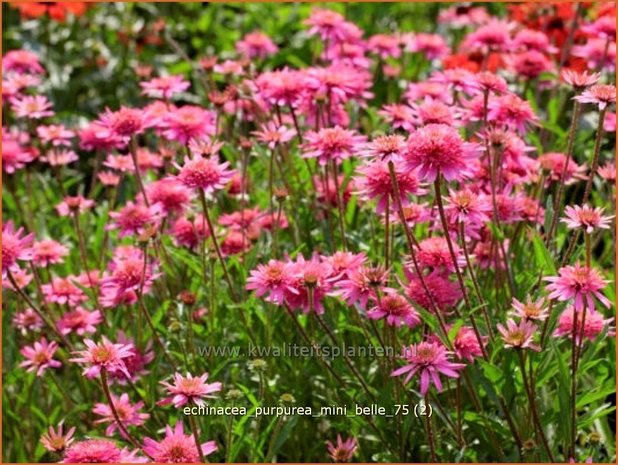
(48, 252)
(188, 122)
(204, 173)
(466, 344)
(273, 134)
(396, 309)
(434, 253)
(342, 451)
(172, 195)
(15, 246)
(594, 324)
(331, 144)
(275, 279)
(362, 284)
(134, 219)
(443, 292)
(176, 447)
(21, 61)
(80, 321)
(578, 283)
(40, 356)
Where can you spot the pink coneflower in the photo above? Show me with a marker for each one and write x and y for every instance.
(344, 263)
(204, 173)
(95, 136)
(444, 293)
(63, 291)
(531, 310)
(455, 80)
(55, 135)
(60, 157)
(434, 253)
(15, 246)
(80, 321)
(256, 44)
(135, 363)
(609, 124)
(608, 172)
(21, 61)
(467, 207)
(604, 27)
(385, 45)
(327, 24)
(176, 447)
(433, 46)
(189, 390)
(121, 125)
(519, 336)
(72, 204)
(275, 279)
(229, 67)
(234, 243)
(601, 95)
(361, 284)
(273, 134)
(164, 87)
(398, 116)
(438, 148)
(128, 413)
(579, 80)
(427, 89)
(554, 163)
(396, 309)
(531, 64)
(579, 283)
(466, 344)
(596, 54)
(486, 81)
(282, 87)
(27, 320)
(375, 183)
(384, 147)
(40, 356)
(108, 178)
(170, 194)
(205, 147)
(342, 451)
(529, 39)
(103, 356)
(432, 112)
(586, 218)
(14, 156)
(56, 440)
(99, 451)
(126, 279)
(594, 324)
(188, 233)
(122, 163)
(48, 252)
(493, 36)
(331, 144)
(32, 107)
(188, 122)
(511, 111)
(415, 213)
(134, 219)
(313, 281)
(21, 277)
(429, 359)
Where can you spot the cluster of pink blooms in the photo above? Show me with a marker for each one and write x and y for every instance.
(450, 162)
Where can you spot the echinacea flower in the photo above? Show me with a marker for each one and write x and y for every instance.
(434, 253)
(343, 450)
(275, 279)
(176, 447)
(135, 363)
(578, 283)
(104, 356)
(14, 155)
(129, 414)
(519, 335)
(135, 218)
(443, 293)
(187, 389)
(362, 284)
(428, 359)
(99, 451)
(530, 310)
(396, 309)
(188, 122)
(21, 62)
(32, 107)
(331, 144)
(56, 440)
(204, 173)
(586, 218)
(55, 135)
(69, 205)
(27, 320)
(273, 134)
(602, 95)
(438, 148)
(47, 252)
(164, 87)
(579, 80)
(79, 321)
(15, 246)
(169, 193)
(594, 323)
(40, 356)
(466, 345)
(256, 44)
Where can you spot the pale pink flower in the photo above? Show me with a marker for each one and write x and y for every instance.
(594, 52)
(72, 204)
(609, 124)
(530, 39)
(273, 134)
(519, 335)
(342, 451)
(164, 87)
(608, 172)
(60, 157)
(486, 81)
(554, 163)
(15, 246)
(57, 440)
(594, 324)
(580, 283)
(48, 252)
(384, 147)
(105, 356)
(135, 218)
(586, 217)
(32, 107)
(187, 389)
(531, 310)
(344, 263)
(205, 147)
(204, 173)
(428, 359)
(229, 67)
(274, 279)
(27, 320)
(14, 155)
(327, 24)
(55, 134)
(80, 321)
(40, 356)
(599, 94)
(256, 44)
(176, 447)
(63, 291)
(21, 277)
(467, 207)
(493, 36)
(396, 309)
(128, 413)
(108, 178)
(579, 80)
(313, 281)
(433, 112)
(96, 136)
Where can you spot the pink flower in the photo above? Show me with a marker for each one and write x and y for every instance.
(531, 64)
(398, 116)
(21, 61)
(134, 219)
(282, 87)
(32, 106)
(164, 87)
(55, 134)
(47, 252)
(396, 309)
(608, 172)
(96, 136)
(529, 39)
(493, 36)
(15, 246)
(519, 336)
(272, 134)
(554, 164)
(80, 321)
(135, 363)
(486, 81)
(429, 359)
(121, 125)
(331, 144)
(579, 283)
(108, 178)
(327, 24)
(344, 263)
(511, 111)
(466, 344)
(444, 293)
(467, 207)
(205, 147)
(188, 233)
(434, 253)
(170, 194)
(433, 112)
(14, 156)
(256, 44)
(60, 157)
(74, 204)
(128, 276)
(361, 284)
(27, 320)
(601, 95)
(204, 173)
(433, 46)
(530, 310)
(385, 45)
(40, 356)
(189, 390)
(586, 218)
(103, 356)
(21, 277)
(384, 148)
(594, 324)
(437, 148)
(342, 451)
(99, 451)
(176, 447)
(275, 279)
(188, 122)
(129, 414)
(579, 80)
(57, 440)
(594, 52)
(375, 183)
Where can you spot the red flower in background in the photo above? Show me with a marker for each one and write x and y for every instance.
(55, 10)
